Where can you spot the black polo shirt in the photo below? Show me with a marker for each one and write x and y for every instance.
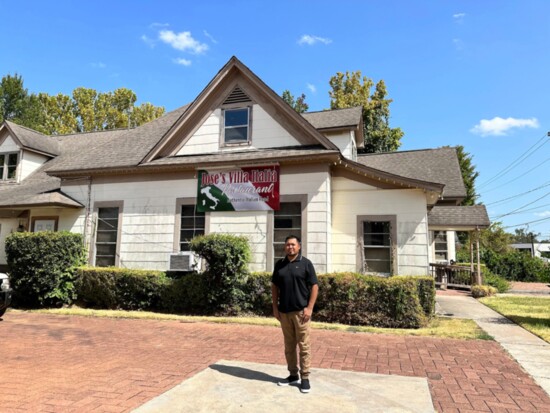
(294, 280)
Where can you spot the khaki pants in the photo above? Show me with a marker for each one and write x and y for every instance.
(295, 334)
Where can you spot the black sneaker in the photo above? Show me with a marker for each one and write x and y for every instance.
(289, 380)
(305, 387)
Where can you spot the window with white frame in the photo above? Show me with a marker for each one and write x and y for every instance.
(440, 245)
(8, 166)
(236, 126)
(192, 225)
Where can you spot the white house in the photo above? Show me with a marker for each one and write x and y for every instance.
(237, 160)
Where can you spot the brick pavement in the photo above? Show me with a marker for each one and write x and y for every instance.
(75, 364)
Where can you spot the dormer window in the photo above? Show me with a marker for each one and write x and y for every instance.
(236, 126)
(8, 166)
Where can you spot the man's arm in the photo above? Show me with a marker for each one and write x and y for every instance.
(275, 301)
(308, 311)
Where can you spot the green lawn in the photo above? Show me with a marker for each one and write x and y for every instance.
(438, 327)
(532, 313)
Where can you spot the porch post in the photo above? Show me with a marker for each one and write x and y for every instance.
(478, 273)
(471, 252)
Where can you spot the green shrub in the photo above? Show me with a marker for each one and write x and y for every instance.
(187, 294)
(426, 294)
(479, 291)
(41, 266)
(227, 258)
(257, 293)
(356, 299)
(517, 266)
(500, 283)
(120, 288)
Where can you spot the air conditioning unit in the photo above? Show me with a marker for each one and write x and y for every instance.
(184, 261)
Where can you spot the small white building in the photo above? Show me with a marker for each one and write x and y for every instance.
(535, 249)
(237, 160)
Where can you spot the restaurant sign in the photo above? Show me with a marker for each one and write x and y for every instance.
(242, 189)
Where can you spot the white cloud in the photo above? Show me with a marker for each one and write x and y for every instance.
(311, 40)
(155, 25)
(210, 37)
(543, 214)
(99, 65)
(148, 41)
(459, 44)
(459, 17)
(182, 41)
(183, 62)
(499, 126)
(312, 88)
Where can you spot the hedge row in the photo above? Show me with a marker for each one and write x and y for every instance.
(399, 302)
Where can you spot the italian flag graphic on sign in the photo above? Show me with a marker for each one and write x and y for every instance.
(243, 189)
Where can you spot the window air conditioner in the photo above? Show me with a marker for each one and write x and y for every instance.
(184, 261)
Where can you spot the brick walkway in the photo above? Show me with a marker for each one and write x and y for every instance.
(76, 364)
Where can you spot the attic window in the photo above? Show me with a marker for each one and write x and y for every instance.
(8, 166)
(237, 126)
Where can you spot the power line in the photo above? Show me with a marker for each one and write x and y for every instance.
(520, 176)
(527, 223)
(522, 212)
(521, 194)
(523, 206)
(518, 160)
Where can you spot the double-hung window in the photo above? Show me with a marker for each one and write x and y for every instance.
(8, 166)
(192, 224)
(377, 246)
(107, 237)
(440, 245)
(287, 221)
(236, 126)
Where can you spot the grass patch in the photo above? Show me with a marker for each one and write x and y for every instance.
(532, 313)
(438, 327)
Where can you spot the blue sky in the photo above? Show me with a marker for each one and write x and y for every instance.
(472, 73)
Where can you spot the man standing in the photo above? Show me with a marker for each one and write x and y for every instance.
(294, 291)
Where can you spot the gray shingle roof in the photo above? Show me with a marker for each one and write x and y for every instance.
(112, 149)
(459, 216)
(338, 118)
(31, 139)
(433, 165)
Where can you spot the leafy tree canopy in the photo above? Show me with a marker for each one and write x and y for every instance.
(85, 111)
(353, 89)
(522, 236)
(469, 175)
(299, 104)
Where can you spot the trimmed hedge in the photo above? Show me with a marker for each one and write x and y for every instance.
(349, 298)
(120, 288)
(42, 265)
(479, 291)
(517, 266)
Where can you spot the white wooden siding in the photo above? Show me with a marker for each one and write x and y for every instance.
(344, 142)
(316, 185)
(7, 226)
(252, 225)
(9, 145)
(29, 163)
(351, 199)
(266, 133)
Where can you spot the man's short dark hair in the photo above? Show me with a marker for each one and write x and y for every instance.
(293, 237)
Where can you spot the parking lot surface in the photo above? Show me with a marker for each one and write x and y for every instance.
(56, 363)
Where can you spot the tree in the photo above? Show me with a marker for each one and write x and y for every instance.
(469, 175)
(353, 89)
(299, 104)
(521, 236)
(85, 111)
(495, 239)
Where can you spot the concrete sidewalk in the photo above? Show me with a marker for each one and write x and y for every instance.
(531, 352)
(237, 386)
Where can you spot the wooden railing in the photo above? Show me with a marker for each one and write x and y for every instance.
(452, 275)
